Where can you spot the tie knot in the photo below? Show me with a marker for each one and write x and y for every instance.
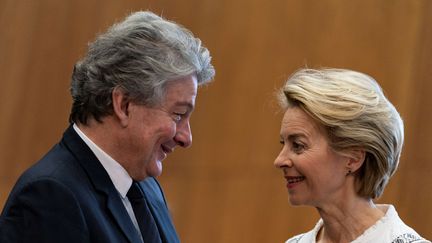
(134, 192)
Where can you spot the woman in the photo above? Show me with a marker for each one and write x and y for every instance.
(342, 141)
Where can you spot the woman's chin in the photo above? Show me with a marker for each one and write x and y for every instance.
(295, 201)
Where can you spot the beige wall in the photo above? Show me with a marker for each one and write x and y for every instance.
(225, 188)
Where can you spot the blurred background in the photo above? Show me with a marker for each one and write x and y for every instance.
(225, 187)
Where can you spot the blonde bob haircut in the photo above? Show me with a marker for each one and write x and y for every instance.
(355, 114)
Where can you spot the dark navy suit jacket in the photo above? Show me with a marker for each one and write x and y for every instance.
(68, 197)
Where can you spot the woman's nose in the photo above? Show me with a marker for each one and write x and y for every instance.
(283, 160)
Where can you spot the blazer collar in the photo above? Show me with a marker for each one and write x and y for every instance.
(101, 181)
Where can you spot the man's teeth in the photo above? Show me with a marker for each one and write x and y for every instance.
(165, 149)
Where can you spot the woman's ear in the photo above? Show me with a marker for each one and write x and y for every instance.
(356, 158)
(120, 104)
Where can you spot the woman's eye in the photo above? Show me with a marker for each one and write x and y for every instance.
(298, 147)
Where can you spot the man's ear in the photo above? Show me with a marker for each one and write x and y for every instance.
(356, 159)
(120, 104)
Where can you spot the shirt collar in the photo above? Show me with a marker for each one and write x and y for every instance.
(118, 175)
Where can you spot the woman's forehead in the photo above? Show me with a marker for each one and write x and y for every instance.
(296, 120)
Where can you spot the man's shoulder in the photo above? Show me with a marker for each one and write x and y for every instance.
(56, 163)
(57, 167)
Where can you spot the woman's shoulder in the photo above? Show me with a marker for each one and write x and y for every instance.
(410, 238)
(398, 231)
(296, 239)
(308, 237)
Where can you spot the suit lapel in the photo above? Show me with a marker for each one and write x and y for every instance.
(123, 219)
(158, 208)
(101, 182)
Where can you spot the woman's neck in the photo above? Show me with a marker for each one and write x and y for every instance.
(346, 220)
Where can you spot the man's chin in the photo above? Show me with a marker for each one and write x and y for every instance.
(156, 169)
(152, 170)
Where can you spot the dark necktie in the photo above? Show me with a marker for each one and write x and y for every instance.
(146, 222)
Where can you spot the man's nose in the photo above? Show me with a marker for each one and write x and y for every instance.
(183, 135)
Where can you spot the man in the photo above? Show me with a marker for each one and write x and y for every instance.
(133, 94)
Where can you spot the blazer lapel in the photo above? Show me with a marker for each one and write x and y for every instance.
(159, 210)
(101, 181)
(123, 219)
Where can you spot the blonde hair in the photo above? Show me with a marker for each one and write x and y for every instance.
(355, 113)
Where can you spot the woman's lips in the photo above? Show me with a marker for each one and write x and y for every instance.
(294, 180)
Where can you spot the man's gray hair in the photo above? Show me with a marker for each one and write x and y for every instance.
(140, 55)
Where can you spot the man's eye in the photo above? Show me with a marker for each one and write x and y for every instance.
(177, 117)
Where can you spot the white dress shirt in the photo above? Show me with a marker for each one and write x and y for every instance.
(118, 175)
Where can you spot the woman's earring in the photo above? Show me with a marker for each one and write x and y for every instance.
(349, 172)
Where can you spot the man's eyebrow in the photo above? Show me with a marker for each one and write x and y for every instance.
(185, 103)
